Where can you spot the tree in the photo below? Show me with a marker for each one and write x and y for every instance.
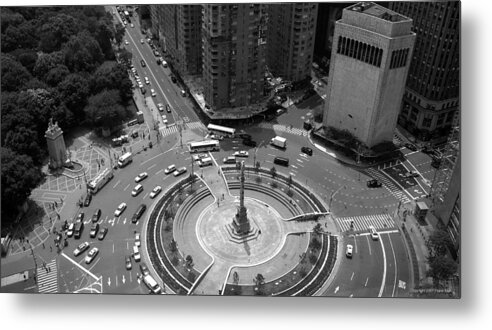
(111, 75)
(56, 75)
(82, 53)
(125, 56)
(26, 57)
(315, 244)
(47, 62)
(259, 280)
(273, 172)
(189, 261)
(173, 245)
(438, 243)
(119, 34)
(235, 278)
(14, 74)
(289, 180)
(103, 34)
(318, 229)
(104, 110)
(23, 140)
(257, 166)
(57, 30)
(19, 177)
(441, 268)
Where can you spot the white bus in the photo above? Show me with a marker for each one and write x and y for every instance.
(207, 145)
(125, 159)
(221, 130)
(99, 181)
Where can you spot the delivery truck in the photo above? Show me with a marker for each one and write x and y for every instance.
(279, 142)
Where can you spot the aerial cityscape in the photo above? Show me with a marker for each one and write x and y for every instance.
(255, 149)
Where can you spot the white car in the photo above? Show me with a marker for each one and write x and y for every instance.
(126, 42)
(147, 81)
(349, 251)
(160, 106)
(170, 169)
(140, 85)
(199, 156)
(241, 153)
(141, 176)
(81, 248)
(120, 209)
(137, 190)
(153, 93)
(132, 25)
(179, 171)
(374, 233)
(137, 239)
(91, 255)
(142, 41)
(183, 93)
(156, 191)
(70, 230)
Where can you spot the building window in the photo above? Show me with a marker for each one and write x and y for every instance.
(427, 121)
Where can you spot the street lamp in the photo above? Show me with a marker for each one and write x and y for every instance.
(333, 194)
(256, 150)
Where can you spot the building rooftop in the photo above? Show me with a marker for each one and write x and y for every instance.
(378, 11)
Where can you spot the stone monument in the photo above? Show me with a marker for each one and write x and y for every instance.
(56, 146)
(240, 223)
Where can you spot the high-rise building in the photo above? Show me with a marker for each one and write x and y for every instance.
(291, 35)
(432, 92)
(179, 29)
(233, 41)
(328, 14)
(368, 68)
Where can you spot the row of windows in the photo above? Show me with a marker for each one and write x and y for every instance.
(399, 58)
(360, 51)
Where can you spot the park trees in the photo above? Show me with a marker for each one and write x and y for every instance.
(74, 91)
(14, 74)
(441, 266)
(104, 109)
(82, 53)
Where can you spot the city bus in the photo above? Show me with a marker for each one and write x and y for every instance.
(207, 145)
(99, 181)
(221, 130)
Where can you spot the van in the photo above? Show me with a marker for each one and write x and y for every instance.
(138, 214)
(281, 161)
(152, 284)
(205, 161)
(136, 253)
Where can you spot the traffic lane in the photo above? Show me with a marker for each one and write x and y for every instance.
(398, 286)
(359, 276)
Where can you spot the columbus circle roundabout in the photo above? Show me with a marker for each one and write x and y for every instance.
(239, 230)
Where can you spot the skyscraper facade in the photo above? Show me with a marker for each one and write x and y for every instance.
(431, 98)
(233, 51)
(368, 69)
(179, 29)
(291, 36)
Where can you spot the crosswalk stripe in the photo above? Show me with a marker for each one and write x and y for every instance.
(392, 188)
(362, 223)
(47, 281)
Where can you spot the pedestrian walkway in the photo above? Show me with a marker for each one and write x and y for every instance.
(196, 125)
(165, 131)
(285, 129)
(47, 277)
(362, 223)
(390, 186)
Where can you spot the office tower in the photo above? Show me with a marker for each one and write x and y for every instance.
(233, 41)
(328, 14)
(179, 29)
(291, 35)
(431, 97)
(368, 69)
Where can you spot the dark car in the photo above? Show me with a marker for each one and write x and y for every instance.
(143, 90)
(138, 214)
(96, 216)
(102, 233)
(436, 162)
(245, 136)
(94, 230)
(173, 78)
(307, 151)
(374, 183)
(87, 200)
(144, 269)
(249, 143)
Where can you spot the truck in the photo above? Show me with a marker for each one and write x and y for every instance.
(152, 284)
(125, 159)
(279, 142)
(100, 180)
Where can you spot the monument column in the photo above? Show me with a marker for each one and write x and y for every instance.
(241, 223)
(56, 145)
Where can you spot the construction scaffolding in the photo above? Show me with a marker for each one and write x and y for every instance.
(450, 156)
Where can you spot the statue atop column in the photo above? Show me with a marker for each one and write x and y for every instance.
(240, 222)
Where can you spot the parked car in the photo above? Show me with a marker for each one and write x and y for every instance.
(160, 106)
(137, 239)
(153, 93)
(349, 251)
(70, 230)
(80, 217)
(96, 216)
(249, 143)
(245, 136)
(128, 263)
(94, 230)
(144, 269)
(411, 146)
(410, 174)
(173, 78)
(241, 153)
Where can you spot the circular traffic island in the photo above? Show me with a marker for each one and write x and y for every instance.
(228, 236)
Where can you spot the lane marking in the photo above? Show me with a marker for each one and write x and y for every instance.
(396, 266)
(367, 279)
(351, 277)
(151, 166)
(368, 244)
(126, 187)
(384, 269)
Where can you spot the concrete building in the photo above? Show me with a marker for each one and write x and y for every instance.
(291, 36)
(233, 41)
(179, 30)
(431, 98)
(368, 69)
